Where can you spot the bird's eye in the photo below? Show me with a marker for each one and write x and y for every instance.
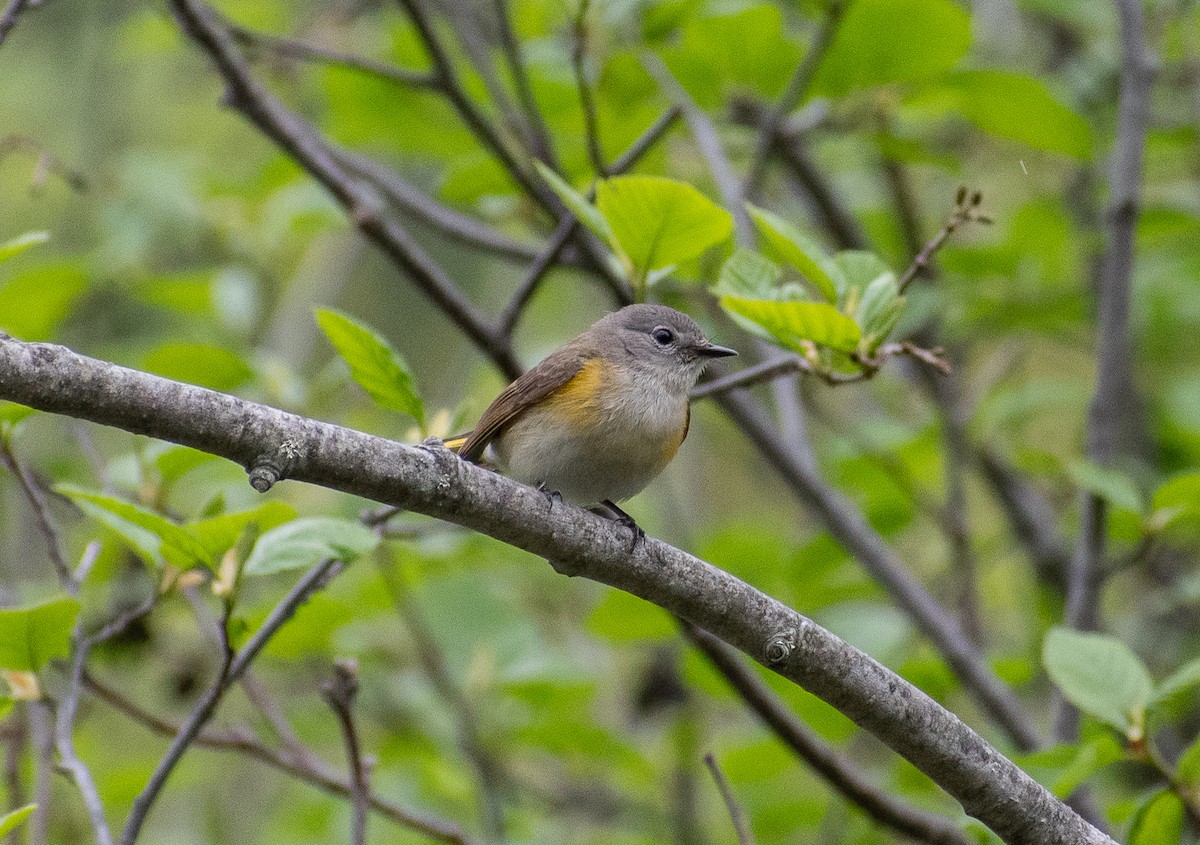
(662, 336)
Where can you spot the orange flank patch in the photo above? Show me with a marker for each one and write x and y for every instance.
(576, 400)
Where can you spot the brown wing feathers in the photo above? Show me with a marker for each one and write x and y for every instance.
(535, 385)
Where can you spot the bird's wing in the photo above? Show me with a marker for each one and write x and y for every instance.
(551, 374)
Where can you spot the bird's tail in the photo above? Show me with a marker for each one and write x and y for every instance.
(457, 442)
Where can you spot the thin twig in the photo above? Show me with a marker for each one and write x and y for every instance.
(797, 89)
(32, 491)
(46, 162)
(541, 142)
(835, 768)
(453, 224)
(311, 771)
(966, 210)
(488, 771)
(474, 118)
(8, 19)
(64, 734)
(311, 152)
(708, 140)
(780, 366)
(1033, 520)
(741, 824)
(232, 667)
(14, 731)
(41, 733)
(1114, 402)
(339, 693)
(292, 49)
(569, 226)
(578, 63)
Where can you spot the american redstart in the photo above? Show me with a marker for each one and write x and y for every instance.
(602, 415)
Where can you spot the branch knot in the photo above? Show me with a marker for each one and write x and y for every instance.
(780, 646)
(269, 469)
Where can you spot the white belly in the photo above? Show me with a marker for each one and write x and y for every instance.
(613, 460)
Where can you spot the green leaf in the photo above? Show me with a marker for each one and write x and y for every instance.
(1178, 682)
(303, 542)
(11, 414)
(788, 244)
(153, 535)
(882, 41)
(219, 534)
(658, 222)
(198, 363)
(1177, 499)
(621, 617)
(10, 821)
(578, 204)
(793, 322)
(1112, 485)
(31, 636)
(1064, 768)
(19, 244)
(1159, 821)
(374, 364)
(1018, 107)
(748, 274)
(34, 302)
(1100, 675)
(1188, 767)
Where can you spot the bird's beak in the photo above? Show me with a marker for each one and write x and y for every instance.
(714, 351)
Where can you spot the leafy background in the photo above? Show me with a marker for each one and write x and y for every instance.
(180, 241)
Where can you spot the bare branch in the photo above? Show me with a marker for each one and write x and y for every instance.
(741, 824)
(568, 227)
(309, 150)
(471, 114)
(487, 769)
(232, 667)
(839, 771)
(41, 512)
(455, 225)
(1031, 516)
(8, 18)
(339, 693)
(1114, 402)
(292, 49)
(850, 528)
(797, 89)
(966, 210)
(587, 102)
(540, 139)
(431, 480)
(310, 771)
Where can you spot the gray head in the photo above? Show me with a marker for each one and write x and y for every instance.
(658, 339)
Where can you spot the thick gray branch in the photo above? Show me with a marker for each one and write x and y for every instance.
(433, 481)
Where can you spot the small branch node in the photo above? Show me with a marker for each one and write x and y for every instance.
(268, 470)
(781, 645)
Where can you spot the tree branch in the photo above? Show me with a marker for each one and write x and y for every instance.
(796, 90)
(8, 18)
(339, 693)
(41, 512)
(741, 824)
(289, 764)
(431, 480)
(232, 668)
(292, 49)
(310, 151)
(835, 768)
(1114, 402)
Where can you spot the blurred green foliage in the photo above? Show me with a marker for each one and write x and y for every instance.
(148, 225)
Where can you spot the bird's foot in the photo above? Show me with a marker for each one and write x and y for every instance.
(622, 518)
(553, 497)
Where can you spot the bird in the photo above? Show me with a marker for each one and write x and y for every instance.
(600, 417)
